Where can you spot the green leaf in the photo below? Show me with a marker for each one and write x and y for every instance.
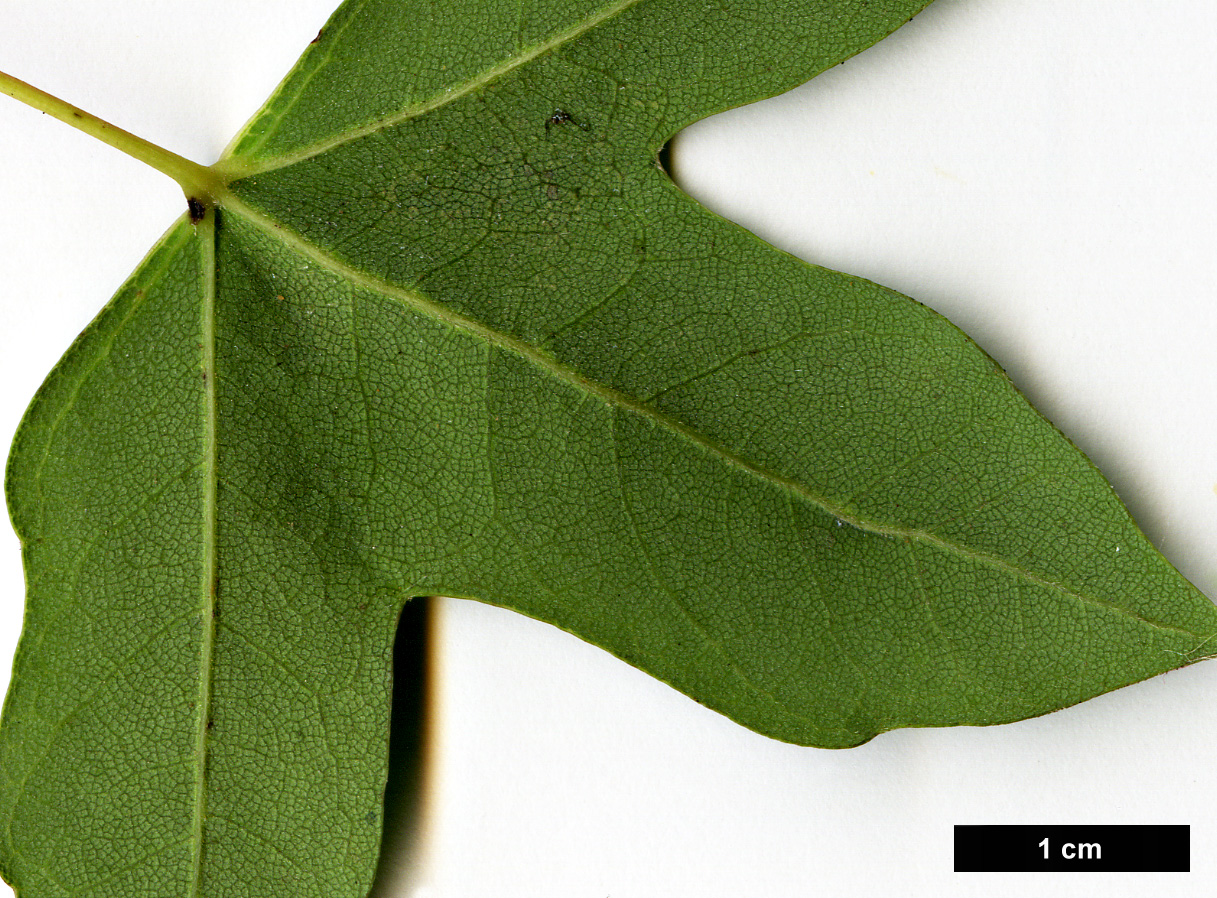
(489, 350)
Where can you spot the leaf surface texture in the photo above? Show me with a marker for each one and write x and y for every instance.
(451, 329)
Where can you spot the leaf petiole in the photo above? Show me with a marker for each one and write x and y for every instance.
(199, 183)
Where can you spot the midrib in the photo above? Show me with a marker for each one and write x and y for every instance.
(206, 230)
(231, 169)
(617, 399)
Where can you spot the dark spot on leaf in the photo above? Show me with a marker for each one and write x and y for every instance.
(318, 37)
(562, 117)
(198, 211)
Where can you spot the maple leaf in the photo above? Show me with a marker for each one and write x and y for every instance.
(784, 490)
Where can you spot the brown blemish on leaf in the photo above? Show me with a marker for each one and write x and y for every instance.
(561, 117)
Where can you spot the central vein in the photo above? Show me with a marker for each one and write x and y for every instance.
(206, 233)
(615, 398)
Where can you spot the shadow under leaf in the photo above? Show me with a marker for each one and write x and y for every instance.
(406, 790)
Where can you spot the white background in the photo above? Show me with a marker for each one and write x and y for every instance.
(1040, 171)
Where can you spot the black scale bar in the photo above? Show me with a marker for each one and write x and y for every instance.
(1123, 849)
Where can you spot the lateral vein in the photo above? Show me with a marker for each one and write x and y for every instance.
(206, 229)
(231, 169)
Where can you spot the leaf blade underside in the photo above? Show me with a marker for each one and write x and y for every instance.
(490, 351)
